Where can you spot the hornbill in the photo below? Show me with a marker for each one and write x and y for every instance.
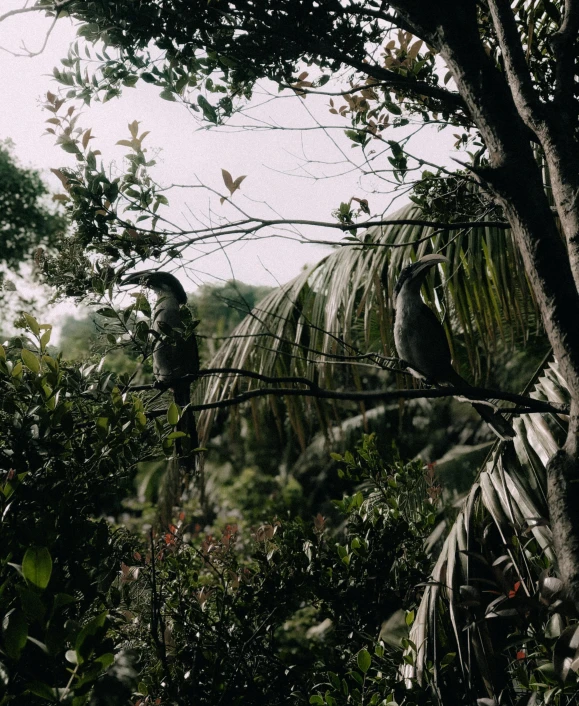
(422, 344)
(175, 355)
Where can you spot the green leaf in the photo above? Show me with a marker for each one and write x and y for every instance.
(334, 680)
(37, 566)
(45, 338)
(90, 636)
(62, 599)
(32, 324)
(316, 699)
(364, 660)
(209, 112)
(173, 414)
(107, 312)
(102, 427)
(42, 690)
(15, 631)
(30, 360)
(447, 659)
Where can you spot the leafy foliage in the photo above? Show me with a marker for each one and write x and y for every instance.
(69, 441)
(26, 222)
(327, 321)
(270, 613)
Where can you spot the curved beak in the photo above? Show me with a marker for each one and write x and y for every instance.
(135, 278)
(428, 261)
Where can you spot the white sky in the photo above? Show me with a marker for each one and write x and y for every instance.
(270, 159)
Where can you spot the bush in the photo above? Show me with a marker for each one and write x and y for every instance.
(289, 611)
(69, 439)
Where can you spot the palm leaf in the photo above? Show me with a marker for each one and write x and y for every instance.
(339, 308)
(506, 546)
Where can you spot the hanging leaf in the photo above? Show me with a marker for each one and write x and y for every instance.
(15, 629)
(364, 660)
(173, 414)
(231, 185)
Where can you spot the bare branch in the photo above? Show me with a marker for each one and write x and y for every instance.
(526, 405)
(55, 7)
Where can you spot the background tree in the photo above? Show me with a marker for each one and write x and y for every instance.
(28, 224)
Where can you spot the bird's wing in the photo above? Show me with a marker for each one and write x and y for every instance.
(422, 343)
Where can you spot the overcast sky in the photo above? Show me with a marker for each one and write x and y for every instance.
(275, 161)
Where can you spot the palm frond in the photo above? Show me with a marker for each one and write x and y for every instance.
(317, 324)
(497, 551)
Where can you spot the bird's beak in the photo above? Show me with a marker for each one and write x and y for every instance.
(428, 261)
(134, 278)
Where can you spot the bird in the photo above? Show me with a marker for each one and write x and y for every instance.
(422, 344)
(175, 363)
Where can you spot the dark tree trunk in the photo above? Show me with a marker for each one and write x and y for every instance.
(507, 112)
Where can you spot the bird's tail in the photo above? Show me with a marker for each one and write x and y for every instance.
(501, 427)
(183, 466)
(186, 445)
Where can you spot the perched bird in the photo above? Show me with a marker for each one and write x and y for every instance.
(175, 364)
(175, 356)
(422, 344)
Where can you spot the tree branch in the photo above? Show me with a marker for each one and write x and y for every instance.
(453, 101)
(526, 405)
(55, 7)
(519, 77)
(563, 43)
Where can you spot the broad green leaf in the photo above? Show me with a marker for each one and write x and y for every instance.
(37, 566)
(107, 312)
(173, 414)
(42, 690)
(45, 338)
(364, 660)
(90, 636)
(102, 427)
(32, 324)
(62, 599)
(30, 360)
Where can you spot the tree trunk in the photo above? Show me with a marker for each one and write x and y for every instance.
(501, 111)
